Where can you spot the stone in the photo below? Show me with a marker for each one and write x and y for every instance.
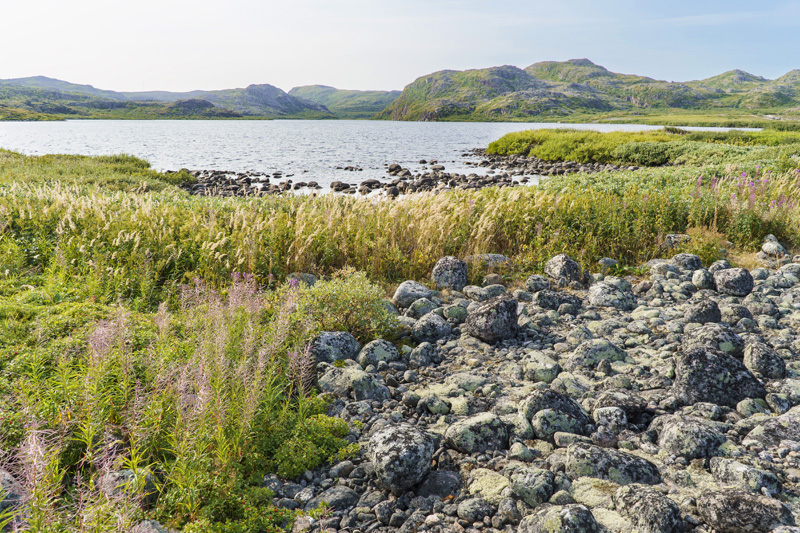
(488, 484)
(761, 358)
(547, 422)
(729, 471)
(703, 279)
(560, 519)
(339, 497)
(331, 346)
(589, 354)
(410, 291)
(703, 312)
(614, 465)
(151, 526)
(430, 328)
(550, 399)
(733, 511)
(630, 403)
(423, 355)
(401, 455)
(714, 336)
(420, 308)
(689, 437)
(605, 294)
(349, 380)
(449, 273)
(705, 375)
(376, 351)
(532, 485)
(687, 261)
(440, 483)
(475, 509)
(648, 509)
(613, 418)
(563, 267)
(772, 431)
(734, 281)
(478, 434)
(536, 283)
(493, 320)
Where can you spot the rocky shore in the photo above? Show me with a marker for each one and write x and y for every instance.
(577, 402)
(497, 171)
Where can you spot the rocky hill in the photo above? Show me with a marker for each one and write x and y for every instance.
(344, 103)
(553, 89)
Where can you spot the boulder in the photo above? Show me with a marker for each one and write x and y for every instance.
(550, 399)
(563, 267)
(733, 511)
(705, 375)
(376, 351)
(449, 273)
(689, 437)
(338, 497)
(746, 477)
(703, 312)
(536, 283)
(605, 294)
(440, 483)
(560, 519)
(430, 328)
(331, 346)
(478, 434)
(410, 291)
(774, 430)
(714, 336)
(690, 262)
(401, 455)
(589, 354)
(350, 380)
(703, 279)
(761, 358)
(534, 486)
(493, 320)
(734, 281)
(614, 465)
(649, 510)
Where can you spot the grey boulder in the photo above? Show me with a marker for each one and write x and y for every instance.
(606, 294)
(564, 267)
(330, 346)
(733, 511)
(401, 455)
(493, 320)
(614, 465)
(714, 336)
(572, 518)
(353, 381)
(763, 359)
(410, 291)
(478, 434)
(377, 351)
(648, 509)
(705, 375)
(689, 437)
(449, 273)
(430, 328)
(734, 281)
(703, 312)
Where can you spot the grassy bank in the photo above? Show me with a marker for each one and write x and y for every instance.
(146, 330)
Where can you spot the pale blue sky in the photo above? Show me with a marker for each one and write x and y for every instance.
(384, 44)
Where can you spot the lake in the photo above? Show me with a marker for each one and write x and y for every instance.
(308, 149)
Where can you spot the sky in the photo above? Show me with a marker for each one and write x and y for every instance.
(182, 45)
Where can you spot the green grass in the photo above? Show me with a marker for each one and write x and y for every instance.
(145, 329)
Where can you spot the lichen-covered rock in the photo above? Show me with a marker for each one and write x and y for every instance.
(539, 367)
(649, 510)
(401, 455)
(714, 336)
(772, 431)
(612, 418)
(449, 273)
(690, 262)
(338, 497)
(689, 437)
(420, 308)
(11, 491)
(563, 267)
(430, 328)
(629, 402)
(547, 299)
(536, 283)
(440, 483)
(532, 485)
(493, 320)
(474, 509)
(487, 484)
(613, 465)
(703, 312)
(733, 511)
(605, 294)
(560, 519)
(547, 422)
(703, 279)
(350, 380)
(589, 353)
(550, 399)
(410, 291)
(705, 375)
(376, 351)
(478, 434)
(330, 346)
(423, 355)
(760, 304)
(734, 281)
(761, 358)
(728, 471)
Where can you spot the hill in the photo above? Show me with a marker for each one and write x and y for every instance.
(38, 95)
(579, 87)
(344, 103)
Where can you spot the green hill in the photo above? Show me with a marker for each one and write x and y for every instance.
(344, 103)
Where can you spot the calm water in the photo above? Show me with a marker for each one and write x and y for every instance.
(306, 149)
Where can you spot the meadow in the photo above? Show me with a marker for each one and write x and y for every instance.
(148, 331)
